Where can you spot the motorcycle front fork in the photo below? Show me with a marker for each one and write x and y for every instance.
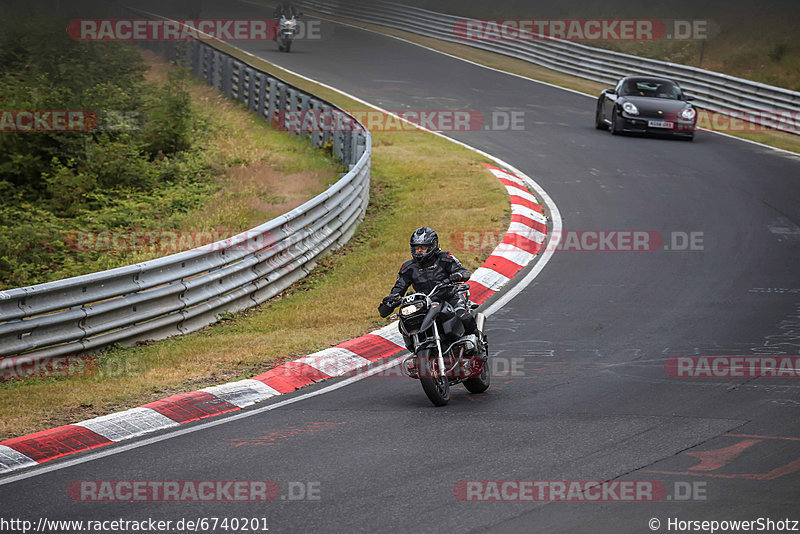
(440, 358)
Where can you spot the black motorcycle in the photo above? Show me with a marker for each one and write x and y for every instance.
(442, 355)
(287, 30)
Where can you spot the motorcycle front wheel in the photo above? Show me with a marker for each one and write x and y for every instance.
(480, 383)
(435, 385)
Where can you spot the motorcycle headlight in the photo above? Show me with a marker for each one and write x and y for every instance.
(630, 109)
(411, 308)
(688, 114)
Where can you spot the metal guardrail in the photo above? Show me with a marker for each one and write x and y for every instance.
(758, 103)
(184, 292)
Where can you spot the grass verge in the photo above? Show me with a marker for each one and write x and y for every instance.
(417, 179)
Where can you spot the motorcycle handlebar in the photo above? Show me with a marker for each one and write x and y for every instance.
(448, 284)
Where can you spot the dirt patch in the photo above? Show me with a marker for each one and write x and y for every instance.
(159, 67)
(265, 189)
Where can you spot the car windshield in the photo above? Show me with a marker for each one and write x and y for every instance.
(651, 89)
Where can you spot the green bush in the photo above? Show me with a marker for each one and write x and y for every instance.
(143, 174)
(170, 122)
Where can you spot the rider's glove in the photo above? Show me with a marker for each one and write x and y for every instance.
(455, 277)
(391, 301)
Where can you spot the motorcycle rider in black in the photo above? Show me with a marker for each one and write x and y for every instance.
(430, 266)
(284, 9)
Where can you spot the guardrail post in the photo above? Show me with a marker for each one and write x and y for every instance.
(291, 115)
(281, 105)
(245, 84)
(347, 148)
(301, 120)
(227, 76)
(358, 148)
(207, 62)
(216, 70)
(256, 96)
(316, 120)
(327, 122)
(272, 99)
(196, 59)
(338, 142)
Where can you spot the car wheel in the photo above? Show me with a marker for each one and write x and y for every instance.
(599, 122)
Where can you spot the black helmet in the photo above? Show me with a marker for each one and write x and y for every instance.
(424, 237)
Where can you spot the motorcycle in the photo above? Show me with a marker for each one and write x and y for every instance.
(287, 30)
(442, 355)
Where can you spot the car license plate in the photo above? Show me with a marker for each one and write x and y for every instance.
(660, 124)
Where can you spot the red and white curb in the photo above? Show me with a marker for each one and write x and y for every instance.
(524, 239)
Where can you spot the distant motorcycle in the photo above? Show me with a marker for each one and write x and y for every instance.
(287, 30)
(443, 355)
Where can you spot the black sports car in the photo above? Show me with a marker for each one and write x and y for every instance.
(643, 104)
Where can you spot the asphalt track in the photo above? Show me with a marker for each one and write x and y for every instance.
(589, 398)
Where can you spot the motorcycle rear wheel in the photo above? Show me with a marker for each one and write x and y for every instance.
(437, 389)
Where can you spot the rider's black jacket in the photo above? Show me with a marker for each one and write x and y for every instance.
(424, 277)
(280, 11)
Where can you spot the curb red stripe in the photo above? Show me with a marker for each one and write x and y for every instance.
(520, 241)
(192, 406)
(283, 379)
(56, 442)
(312, 373)
(527, 203)
(371, 347)
(502, 265)
(510, 183)
(536, 225)
(478, 292)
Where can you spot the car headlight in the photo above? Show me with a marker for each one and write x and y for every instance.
(688, 114)
(630, 109)
(411, 308)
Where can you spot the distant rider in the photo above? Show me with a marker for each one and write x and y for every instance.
(284, 9)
